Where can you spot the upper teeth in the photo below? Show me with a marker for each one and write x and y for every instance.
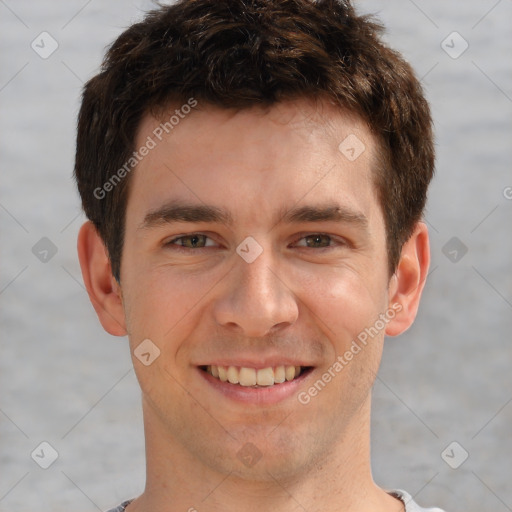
(253, 377)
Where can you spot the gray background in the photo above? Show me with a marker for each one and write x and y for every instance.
(66, 382)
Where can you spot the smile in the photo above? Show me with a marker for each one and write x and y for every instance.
(253, 377)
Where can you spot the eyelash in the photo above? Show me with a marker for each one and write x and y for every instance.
(334, 241)
(181, 237)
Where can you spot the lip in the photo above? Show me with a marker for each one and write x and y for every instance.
(257, 396)
(258, 364)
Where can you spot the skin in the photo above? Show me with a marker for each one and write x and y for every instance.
(304, 297)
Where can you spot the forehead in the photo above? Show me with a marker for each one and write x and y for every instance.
(271, 156)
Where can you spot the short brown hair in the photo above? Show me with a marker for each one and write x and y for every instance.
(244, 53)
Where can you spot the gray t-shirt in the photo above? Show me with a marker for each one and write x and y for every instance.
(410, 504)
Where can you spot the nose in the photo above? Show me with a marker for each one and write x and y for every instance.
(256, 299)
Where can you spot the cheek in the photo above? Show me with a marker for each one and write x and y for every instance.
(344, 301)
(161, 306)
(345, 307)
(163, 301)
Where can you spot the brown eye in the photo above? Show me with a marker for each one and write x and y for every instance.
(194, 241)
(317, 241)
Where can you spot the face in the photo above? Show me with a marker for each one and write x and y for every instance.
(255, 251)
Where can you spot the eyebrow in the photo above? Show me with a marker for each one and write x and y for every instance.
(325, 213)
(181, 212)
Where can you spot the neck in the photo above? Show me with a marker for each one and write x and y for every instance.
(340, 481)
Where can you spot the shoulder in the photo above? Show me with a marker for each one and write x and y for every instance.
(410, 504)
(120, 508)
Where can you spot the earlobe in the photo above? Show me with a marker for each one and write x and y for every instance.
(104, 291)
(406, 285)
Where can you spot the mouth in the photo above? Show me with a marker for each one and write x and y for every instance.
(247, 377)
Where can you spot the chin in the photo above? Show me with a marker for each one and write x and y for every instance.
(265, 457)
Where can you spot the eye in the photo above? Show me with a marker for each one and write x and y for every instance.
(315, 241)
(193, 241)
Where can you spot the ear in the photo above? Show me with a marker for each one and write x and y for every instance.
(407, 283)
(104, 291)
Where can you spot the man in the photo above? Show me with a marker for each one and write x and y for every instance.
(254, 173)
